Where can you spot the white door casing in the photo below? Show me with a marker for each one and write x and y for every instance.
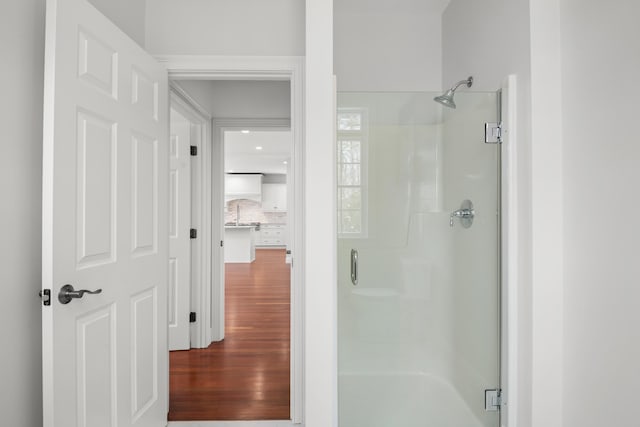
(252, 68)
(179, 295)
(200, 137)
(105, 218)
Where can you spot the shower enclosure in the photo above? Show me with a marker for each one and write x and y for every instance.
(418, 270)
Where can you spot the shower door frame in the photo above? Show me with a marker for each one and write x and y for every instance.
(509, 253)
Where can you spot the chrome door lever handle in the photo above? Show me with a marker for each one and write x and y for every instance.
(67, 293)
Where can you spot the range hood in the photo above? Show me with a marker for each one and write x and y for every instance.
(243, 186)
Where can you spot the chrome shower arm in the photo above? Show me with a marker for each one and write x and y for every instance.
(468, 81)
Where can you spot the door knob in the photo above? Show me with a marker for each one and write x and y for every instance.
(67, 293)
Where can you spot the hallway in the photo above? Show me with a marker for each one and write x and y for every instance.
(247, 375)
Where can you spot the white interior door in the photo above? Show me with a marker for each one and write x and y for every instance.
(105, 224)
(179, 231)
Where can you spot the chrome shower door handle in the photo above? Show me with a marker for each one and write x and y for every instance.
(67, 293)
(354, 267)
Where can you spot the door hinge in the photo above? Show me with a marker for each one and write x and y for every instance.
(194, 150)
(221, 243)
(492, 399)
(192, 317)
(493, 133)
(45, 295)
(193, 233)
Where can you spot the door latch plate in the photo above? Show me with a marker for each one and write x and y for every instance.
(45, 294)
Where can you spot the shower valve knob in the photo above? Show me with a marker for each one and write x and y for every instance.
(462, 213)
(465, 213)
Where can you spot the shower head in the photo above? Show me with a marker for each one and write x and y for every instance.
(447, 98)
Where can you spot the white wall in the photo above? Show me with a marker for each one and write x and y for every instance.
(600, 97)
(578, 312)
(21, 156)
(490, 40)
(388, 46)
(22, 32)
(223, 27)
(282, 27)
(320, 389)
(546, 210)
(241, 99)
(129, 15)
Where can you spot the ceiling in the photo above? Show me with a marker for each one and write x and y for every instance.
(241, 155)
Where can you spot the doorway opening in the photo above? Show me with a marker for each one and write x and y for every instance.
(211, 327)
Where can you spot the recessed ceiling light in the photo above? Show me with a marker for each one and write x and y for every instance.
(258, 148)
(285, 162)
(245, 131)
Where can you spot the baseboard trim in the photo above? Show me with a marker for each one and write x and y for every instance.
(287, 423)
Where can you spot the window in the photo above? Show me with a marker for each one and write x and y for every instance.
(352, 177)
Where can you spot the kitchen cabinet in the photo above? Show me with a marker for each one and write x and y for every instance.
(272, 235)
(243, 186)
(274, 197)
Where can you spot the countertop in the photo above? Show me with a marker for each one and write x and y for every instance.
(262, 224)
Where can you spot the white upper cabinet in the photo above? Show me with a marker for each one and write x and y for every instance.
(243, 186)
(274, 197)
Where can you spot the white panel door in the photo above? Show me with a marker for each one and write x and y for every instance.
(105, 227)
(179, 228)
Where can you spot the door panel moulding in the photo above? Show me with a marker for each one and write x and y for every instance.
(283, 68)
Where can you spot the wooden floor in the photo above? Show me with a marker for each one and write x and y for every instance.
(246, 376)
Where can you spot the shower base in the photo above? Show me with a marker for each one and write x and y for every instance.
(401, 400)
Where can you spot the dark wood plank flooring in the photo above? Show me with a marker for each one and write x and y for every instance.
(246, 376)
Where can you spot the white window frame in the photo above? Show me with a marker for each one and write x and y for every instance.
(362, 136)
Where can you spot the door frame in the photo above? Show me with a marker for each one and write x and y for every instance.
(279, 68)
(199, 331)
(220, 126)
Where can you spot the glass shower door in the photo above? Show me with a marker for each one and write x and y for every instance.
(418, 292)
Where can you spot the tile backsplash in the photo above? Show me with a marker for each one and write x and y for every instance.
(251, 211)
